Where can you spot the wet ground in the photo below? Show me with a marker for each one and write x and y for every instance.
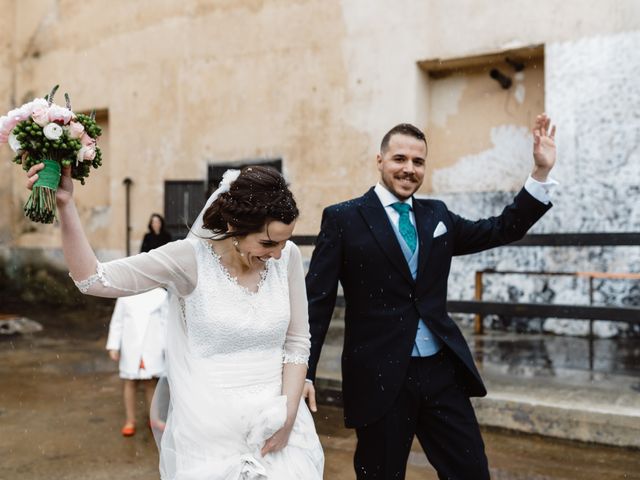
(61, 410)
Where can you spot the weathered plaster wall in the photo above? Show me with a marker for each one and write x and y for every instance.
(593, 95)
(7, 26)
(478, 132)
(314, 82)
(187, 83)
(460, 28)
(318, 83)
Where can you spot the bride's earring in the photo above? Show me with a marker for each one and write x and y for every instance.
(235, 245)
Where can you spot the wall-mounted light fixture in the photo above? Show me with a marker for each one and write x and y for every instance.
(504, 81)
(515, 64)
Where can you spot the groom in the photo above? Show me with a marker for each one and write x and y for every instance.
(406, 368)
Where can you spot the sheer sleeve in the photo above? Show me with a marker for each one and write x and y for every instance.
(297, 342)
(172, 266)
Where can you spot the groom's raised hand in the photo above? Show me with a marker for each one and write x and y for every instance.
(544, 147)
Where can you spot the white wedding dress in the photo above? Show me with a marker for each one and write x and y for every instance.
(226, 347)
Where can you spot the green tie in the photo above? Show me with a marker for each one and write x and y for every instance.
(405, 226)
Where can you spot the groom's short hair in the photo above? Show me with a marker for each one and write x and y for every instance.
(402, 129)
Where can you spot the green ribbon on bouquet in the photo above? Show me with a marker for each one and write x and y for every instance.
(41, 205)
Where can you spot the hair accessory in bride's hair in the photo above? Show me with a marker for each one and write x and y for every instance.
(228, 178)
(244, 204)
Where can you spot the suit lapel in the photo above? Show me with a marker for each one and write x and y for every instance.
(425, 221)
(378, 222)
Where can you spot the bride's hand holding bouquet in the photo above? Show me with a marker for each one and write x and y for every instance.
(51, 141)
(64, 191)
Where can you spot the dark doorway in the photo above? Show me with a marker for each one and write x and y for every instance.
(215, 171)
(183, 200)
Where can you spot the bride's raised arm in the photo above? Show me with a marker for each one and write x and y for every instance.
(172, 266)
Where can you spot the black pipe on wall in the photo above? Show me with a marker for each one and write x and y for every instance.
(127, 184)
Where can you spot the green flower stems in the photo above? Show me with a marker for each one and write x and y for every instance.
(41, 205)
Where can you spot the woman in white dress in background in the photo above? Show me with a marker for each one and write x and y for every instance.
(137, 335)
(137, 341)
(238, 335)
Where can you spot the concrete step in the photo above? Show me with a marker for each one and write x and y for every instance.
(573, 405)
(589, 413)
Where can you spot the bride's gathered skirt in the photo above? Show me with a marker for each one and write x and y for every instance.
(222, 412)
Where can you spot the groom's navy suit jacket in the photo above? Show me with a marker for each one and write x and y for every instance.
(358, 247)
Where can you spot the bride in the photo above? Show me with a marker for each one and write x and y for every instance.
(238, 336)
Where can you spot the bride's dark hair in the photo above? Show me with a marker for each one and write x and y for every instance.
(259, 195)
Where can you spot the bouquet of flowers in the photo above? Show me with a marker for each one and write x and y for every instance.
(41, 131)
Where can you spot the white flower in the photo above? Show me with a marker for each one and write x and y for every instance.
(14, 143)
(52, 131)
(228, 178)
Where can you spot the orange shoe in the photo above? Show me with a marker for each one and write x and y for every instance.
(129, 430)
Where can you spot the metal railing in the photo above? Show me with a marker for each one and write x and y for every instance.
(574, 312)
(481, 307)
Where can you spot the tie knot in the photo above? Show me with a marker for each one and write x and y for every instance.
(401, 207)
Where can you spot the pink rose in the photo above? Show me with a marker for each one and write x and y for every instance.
(19, 114)
(4, 129)
(89, 153)
(86, 140)
(4, 138)
(40, 115)
(13, 117)
(7, 125)
(85, 153)
(76, 129)
(60, 114)
(38, 103)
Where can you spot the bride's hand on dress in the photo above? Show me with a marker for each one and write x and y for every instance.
(278, 440)
(65, 188)
(309, 393)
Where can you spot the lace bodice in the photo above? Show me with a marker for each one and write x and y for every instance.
(224, 317)
(221, 316)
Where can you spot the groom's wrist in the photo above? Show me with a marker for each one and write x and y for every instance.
(540, 173)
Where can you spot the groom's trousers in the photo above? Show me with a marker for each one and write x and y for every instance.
(432, 405)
